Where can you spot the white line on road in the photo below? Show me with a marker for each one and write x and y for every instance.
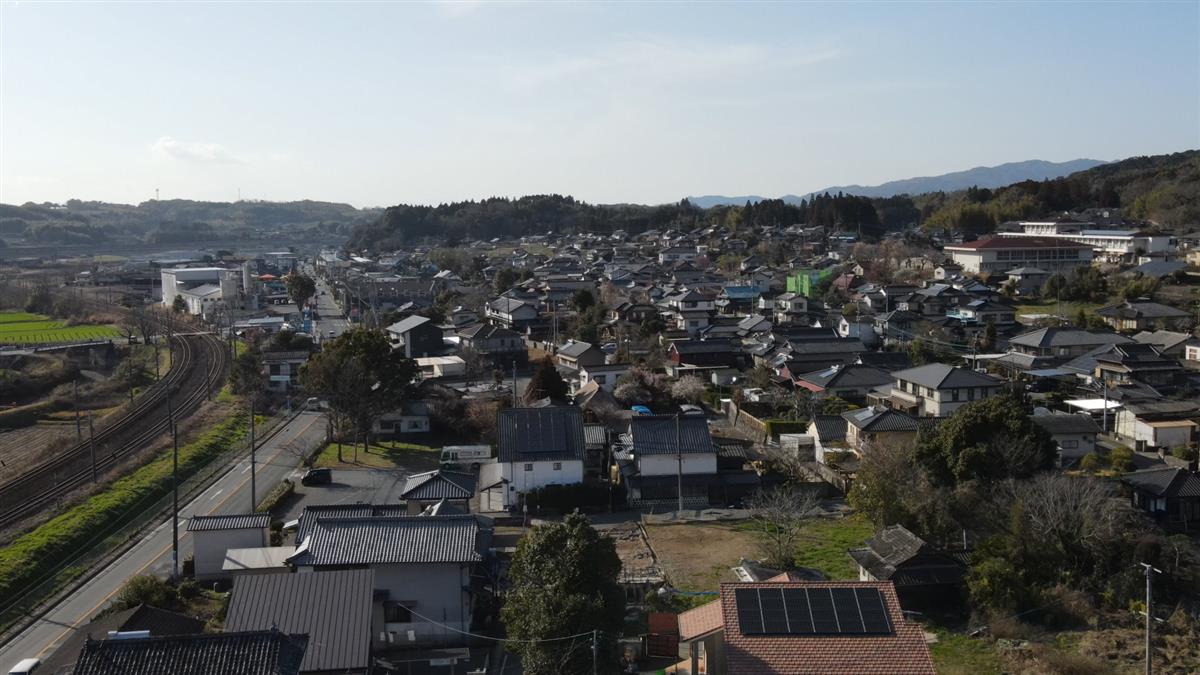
(215, 495)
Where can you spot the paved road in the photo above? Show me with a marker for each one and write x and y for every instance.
(277, 459)
(331, 319)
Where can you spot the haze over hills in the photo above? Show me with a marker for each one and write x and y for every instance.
(980, 176)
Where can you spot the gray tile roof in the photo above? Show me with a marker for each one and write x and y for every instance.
(830, 428)
(393, 539)
(554, 433)
(253, 521)
(659, 435)
(573, 349)
(333, 608)
(1066, 424)
(853, 375)
(1066, 337)
(312, 514)
(1141, 310)
(248, 653)
(433, 485)
(942, 376)
(408, 323)
(1172, 482)
(899, 555)
(143, 617)
(879, 419)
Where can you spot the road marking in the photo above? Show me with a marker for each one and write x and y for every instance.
(218, 494)
(87, 615)
(247, 468)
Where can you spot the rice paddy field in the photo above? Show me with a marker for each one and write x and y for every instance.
(23, 328)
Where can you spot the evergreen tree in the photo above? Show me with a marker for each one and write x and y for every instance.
(564, 583)
(546, 383)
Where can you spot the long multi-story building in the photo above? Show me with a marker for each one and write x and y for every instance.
(1111, 245)
(1000, 254)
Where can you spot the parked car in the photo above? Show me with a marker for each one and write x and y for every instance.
(25, 667)
(317, 477)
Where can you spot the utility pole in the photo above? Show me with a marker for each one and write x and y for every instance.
(253, 487)
(92, 444)
(514, 391)
(75, 395)
(1150, 570)
(679, 460)
(595, 651)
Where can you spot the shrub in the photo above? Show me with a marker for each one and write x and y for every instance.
(776, 427)
(1121, 459)
(276, 496)
(1187, 453)
(146, 589)
(1092, 462)
(1070, 663)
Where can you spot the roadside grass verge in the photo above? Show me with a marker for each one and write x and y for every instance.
(383, 455)
(958, 654)
(24, 562)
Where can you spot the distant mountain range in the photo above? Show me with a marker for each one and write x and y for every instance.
(980, 176)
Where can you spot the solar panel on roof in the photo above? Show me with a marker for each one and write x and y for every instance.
(874, 614)
(845, 604)
(811, 611)
(749, 615)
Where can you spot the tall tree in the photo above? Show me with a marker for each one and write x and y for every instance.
(546, 383)
(986, 440)
(361, 377)
(300, 288)
(564, 583)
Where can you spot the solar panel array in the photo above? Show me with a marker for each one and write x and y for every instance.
(811, 611)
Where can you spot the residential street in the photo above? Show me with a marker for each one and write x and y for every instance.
(277, 459)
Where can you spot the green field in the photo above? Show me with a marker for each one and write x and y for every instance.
(23, 328)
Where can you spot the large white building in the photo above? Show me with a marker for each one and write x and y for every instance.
(1111, 245)
(202, 287)
(997, 255)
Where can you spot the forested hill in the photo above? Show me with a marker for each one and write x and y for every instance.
(171, 220)
(540, 214)
(1164, 189)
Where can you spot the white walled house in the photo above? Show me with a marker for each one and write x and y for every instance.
(201, 287)
(1074, 434)
(213, 536)
(605, 376)
(937, 390)
(537, 447)
(663, 451)
(1001, 254)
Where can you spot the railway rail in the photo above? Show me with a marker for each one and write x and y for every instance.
(200, 365)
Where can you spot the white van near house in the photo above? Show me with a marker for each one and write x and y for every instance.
(466, 456)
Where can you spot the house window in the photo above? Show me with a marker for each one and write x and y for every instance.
(954, 394)
(395, 612)
(529, 467)
(414, 424)
(558, 466)
(1070, 445)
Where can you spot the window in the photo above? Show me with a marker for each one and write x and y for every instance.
(558, 466)
(599, 379)
(395, 612)
(414, 424)
(529, 467)
(1070, 445)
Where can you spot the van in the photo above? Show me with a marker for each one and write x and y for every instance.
(466, 456)
(25, 667)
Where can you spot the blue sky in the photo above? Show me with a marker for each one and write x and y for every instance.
(383, 103)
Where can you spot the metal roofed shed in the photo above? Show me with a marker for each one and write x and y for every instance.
(333, 608)
(213, 536)
(253, 521)
(385, 540)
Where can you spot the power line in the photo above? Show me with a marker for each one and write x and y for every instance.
(489, 637)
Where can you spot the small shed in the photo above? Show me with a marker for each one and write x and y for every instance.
(213, 536)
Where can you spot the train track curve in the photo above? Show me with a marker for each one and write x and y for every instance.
(199, 367)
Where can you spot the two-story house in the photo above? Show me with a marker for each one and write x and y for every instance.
(512, 313)
(576, 354)
(537, 447)
(663, 452)
(604, 375)
(937, 390)
(416, 336)
(1130, 315)
(501, 346)
(851, 382)
(283, 368)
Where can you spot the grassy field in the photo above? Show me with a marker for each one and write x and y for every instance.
(23, 328)
(385, 455)
(825, 542)
(957, 654)
(1065, 308)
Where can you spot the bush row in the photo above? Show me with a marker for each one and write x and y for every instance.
(30, 556)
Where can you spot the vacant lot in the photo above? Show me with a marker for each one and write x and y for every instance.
(1065, 309)
(699, 556)
(385, 455)
(23, 328)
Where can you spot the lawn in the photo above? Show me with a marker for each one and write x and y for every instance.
(1066, 309)
(25, 328)
(699, 556)
(825, 542)
(385, 455)
(957, 654)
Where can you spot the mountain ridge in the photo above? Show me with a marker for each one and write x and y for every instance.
(996, 176)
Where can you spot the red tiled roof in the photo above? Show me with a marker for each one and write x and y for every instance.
(700, 620)
(1015, 242)
(904, 652)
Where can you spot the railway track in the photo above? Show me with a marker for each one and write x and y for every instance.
(199, 367)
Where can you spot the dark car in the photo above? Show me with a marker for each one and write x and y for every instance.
(317, 477)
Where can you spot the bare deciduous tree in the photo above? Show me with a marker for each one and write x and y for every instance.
(780, 516)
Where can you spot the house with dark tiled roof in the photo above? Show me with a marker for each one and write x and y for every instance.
(1170, 495)
(501, 346)
(512, 313)
(1062, 343)
(576, 354)
(422, 490)
(935, 389)
(1142, 315)
(157, 622)
(422, 565)
(537, 447)
(924, 576)
(1137, 362)
(878, 424)
(800, 628)
(334, 609)
(1074, 434)
(851, 382)
(1172, 344)
(268, 652)
(659, 450)
(828, 433)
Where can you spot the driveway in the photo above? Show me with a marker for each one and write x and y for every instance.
(350, 486)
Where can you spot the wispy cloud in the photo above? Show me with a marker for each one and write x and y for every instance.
(667, 59)
(193, 151)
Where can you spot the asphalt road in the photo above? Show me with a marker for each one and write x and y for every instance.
(331, 320)
(277, 459)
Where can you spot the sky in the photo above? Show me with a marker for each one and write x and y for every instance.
(383, 103)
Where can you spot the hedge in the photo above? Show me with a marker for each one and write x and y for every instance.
(276, 496)
(776, 427)
(583, 496)
(29, 556)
